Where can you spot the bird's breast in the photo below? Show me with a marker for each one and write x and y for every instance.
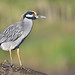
(26, 31)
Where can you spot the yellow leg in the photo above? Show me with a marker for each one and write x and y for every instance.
(19, 57)
(10, 56)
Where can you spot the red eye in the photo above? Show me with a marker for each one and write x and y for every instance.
(33, 14)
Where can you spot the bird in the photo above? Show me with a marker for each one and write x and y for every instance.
(14, 35)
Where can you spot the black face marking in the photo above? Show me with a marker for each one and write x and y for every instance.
(30, 13)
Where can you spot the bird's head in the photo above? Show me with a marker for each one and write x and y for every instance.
(32, 15)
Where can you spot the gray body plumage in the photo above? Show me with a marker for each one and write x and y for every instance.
(12, 36)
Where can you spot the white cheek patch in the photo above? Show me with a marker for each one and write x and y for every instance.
(29, 15)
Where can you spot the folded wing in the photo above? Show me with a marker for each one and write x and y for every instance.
(12, 33)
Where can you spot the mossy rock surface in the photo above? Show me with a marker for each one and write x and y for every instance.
(7, 69)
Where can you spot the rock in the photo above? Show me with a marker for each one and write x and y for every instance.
(7, 69)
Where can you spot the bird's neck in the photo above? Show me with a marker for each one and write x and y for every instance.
(28, 23)
(27, 20)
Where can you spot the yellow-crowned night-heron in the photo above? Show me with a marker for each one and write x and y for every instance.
(12, 37)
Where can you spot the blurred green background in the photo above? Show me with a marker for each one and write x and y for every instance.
(51, 44)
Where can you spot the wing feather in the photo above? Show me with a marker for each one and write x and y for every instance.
(12, 33)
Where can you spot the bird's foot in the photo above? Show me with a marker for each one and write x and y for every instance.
(6, 62)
